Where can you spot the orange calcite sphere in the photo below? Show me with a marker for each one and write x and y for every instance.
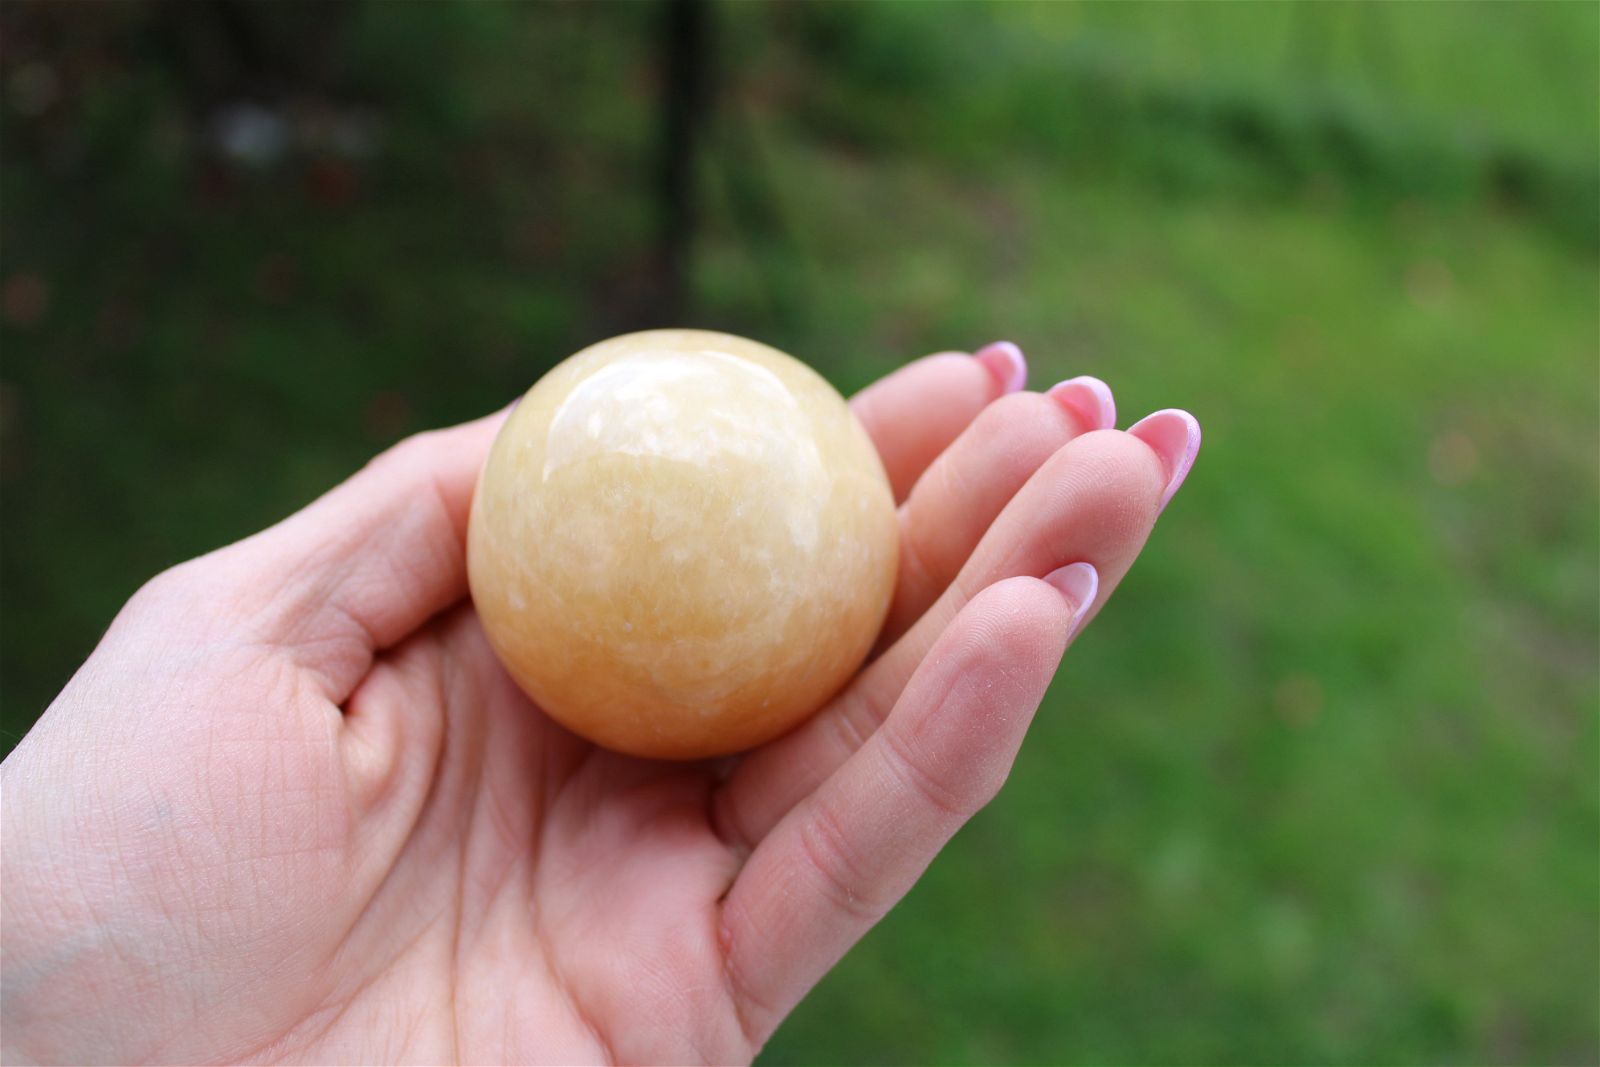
(682, 543)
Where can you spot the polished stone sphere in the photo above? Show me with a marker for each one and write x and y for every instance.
(682, 543)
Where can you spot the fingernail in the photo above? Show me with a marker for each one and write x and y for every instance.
(1174, 434)
(1077, 583)
(1088, 398)
(1005, 361)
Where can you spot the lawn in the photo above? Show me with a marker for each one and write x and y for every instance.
(1321, 783)
(1319, 786)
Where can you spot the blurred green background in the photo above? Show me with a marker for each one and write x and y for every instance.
(1320, 786)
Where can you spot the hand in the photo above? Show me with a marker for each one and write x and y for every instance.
(292, 809)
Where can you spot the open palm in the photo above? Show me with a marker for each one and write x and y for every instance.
(292, 809)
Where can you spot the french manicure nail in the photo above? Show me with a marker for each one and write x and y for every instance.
(1089, 399)
(1174, 434)
(1077, 583)
(1005, 361)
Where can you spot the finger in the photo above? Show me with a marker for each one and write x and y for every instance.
(1175, 436)
(368, 562)
(841, 860)
(953, 503)
(913, 414)
(1096, 500)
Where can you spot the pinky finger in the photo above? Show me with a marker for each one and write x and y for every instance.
(847, 854)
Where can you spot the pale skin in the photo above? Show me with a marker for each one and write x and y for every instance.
(293, 810)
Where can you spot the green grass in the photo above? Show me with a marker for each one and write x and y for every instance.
(1320, 785)
(1481, 70)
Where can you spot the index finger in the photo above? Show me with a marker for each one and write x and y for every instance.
(839, 861)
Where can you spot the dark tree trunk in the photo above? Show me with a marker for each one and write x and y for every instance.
(685, 50)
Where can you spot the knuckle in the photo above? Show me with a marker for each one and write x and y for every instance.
(406, 451)
(917, 570)
(859, 712)
(177, 583)
(839, 868)
(188, 590)
(910, 770)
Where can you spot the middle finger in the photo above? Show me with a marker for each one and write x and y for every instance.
(967, 487)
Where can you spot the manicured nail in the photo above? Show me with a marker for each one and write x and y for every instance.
(1174, 434)
(1089, 399)
(1005, 361)
(1077, 583)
